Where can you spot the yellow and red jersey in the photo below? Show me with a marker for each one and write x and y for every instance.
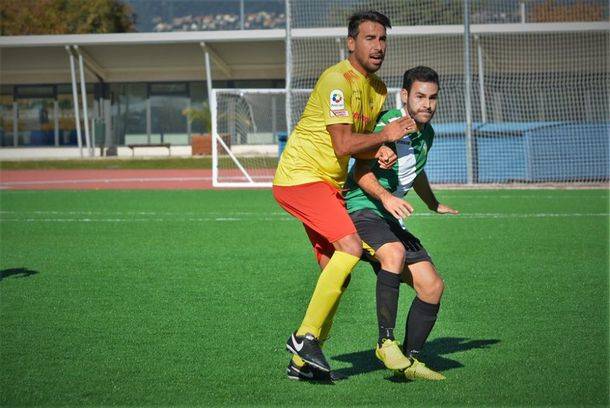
(341, 95)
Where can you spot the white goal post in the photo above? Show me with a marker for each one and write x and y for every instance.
(249, 133)
(247, 127)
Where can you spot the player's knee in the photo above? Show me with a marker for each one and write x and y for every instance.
(356, 250)
(352, 244)
(392, 258)
(433, 290)
(438, 287)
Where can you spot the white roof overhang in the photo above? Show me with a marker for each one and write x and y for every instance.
(177, 56)
(134, 57)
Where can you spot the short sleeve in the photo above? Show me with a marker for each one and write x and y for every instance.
(334, 95)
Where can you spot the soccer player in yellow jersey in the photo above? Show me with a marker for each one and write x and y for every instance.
(340, 113)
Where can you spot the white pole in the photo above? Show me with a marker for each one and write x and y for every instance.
(108, 139)
(92, 137)
(288, 70)
(148, 119)
(83, 88)
(397, 100)
(56, 122)
(522, 12)
(241, 15)
(208, 69)
(15, 124)
(481, 80)
(79, 140)
(188, 122)
(339, 42)
(467, 100)
(213, 117)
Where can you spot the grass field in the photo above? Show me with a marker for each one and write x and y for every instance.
(186, 298)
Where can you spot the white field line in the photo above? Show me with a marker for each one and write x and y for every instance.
(601, 186)
(119, 220)
(525, 186)
(580, 196)
(151, 213)
(157, 217)
(121, 180)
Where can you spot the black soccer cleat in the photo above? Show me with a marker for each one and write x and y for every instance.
(308, 348)
(309, 373)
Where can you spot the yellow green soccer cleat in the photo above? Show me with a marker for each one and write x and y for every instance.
(391, 356)
(419, 371)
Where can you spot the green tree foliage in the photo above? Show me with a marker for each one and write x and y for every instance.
(552, 11)
(200, 116)
(35, 17)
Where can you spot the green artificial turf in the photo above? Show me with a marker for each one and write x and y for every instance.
(141, 298)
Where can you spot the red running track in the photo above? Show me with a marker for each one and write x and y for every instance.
(117, 179)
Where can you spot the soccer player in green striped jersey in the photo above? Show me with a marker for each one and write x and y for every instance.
(374, 199)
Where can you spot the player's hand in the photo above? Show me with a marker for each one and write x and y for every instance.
(399, 128)
(445, 209)
(398, 207)
(386, 157)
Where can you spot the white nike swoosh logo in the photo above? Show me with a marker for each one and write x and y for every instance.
(306, 375)
(298, 346)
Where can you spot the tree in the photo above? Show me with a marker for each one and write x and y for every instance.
(200, 116)
(550, 11)
(36, 17)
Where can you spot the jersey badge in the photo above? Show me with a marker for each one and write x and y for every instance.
(337, 101)
(338, 113)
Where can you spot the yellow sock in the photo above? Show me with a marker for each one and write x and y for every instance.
(327, 292)
(298, 361)
(328, 323)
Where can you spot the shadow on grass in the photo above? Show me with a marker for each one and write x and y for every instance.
(434, 355)
(17, 272)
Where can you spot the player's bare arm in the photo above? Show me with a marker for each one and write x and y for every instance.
(421, 185)
(366, 179)
(347, 143)
(385, 156)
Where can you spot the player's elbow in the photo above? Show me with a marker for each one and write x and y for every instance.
(342, 151)
(339, 135)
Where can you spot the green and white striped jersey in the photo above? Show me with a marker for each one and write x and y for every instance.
(412, 151)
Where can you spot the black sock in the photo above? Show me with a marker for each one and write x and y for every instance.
(387, 289)
(420, 322)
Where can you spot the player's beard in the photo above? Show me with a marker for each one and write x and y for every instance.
(414, 113)
(373, 67)
(369, 67)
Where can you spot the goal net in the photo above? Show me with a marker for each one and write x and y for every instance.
(248, 132)
(539, 81)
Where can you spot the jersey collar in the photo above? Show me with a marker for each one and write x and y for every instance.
(360, 74)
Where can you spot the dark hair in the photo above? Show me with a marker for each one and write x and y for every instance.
(420, 73)
(357, 18)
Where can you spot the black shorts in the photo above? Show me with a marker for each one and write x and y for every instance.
(376, 231)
